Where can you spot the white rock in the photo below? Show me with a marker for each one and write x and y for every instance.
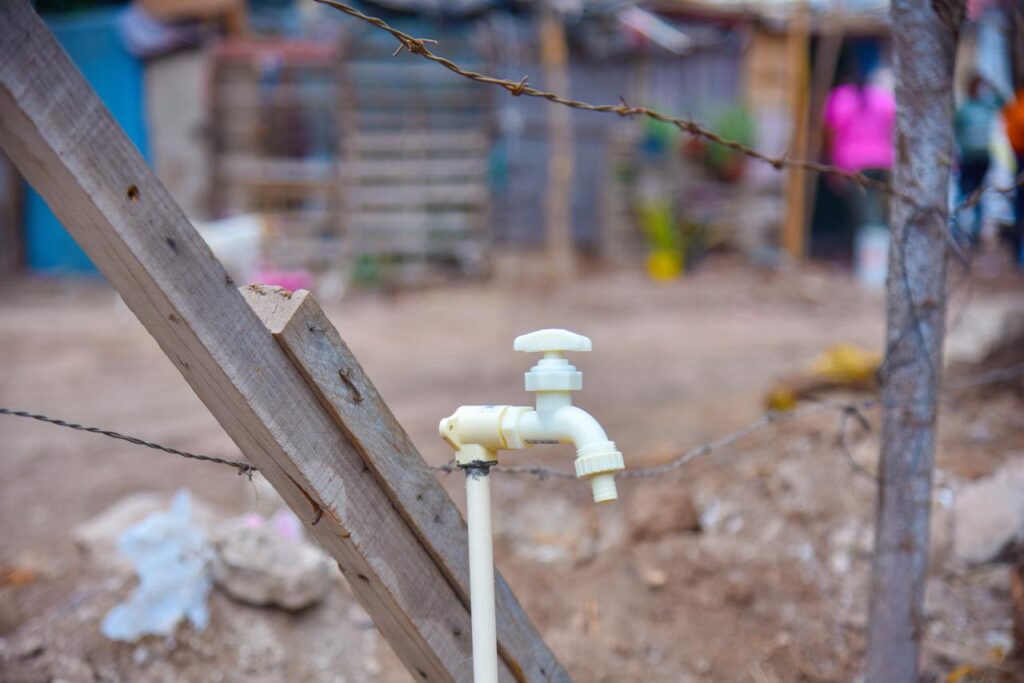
(259, 563)
(989, 514)
(547, 530)
(986, 326)
(940, 542)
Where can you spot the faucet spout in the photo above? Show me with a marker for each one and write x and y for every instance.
(565, 424)
(597, 458)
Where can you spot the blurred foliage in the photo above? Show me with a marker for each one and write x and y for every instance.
(733, 123)
(675, 244)
(659, 140)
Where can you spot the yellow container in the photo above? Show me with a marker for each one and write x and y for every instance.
(664, 265)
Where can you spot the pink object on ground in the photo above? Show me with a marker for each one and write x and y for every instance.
(287, 524)
(861, 121)
(292, 280)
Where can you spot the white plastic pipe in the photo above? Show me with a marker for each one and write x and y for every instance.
(481, 575)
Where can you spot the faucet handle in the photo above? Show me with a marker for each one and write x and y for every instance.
(551, 341)
(552, 372)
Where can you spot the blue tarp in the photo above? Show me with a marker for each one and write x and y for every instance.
(92, 41)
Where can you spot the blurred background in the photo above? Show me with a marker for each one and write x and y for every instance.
(435, 219)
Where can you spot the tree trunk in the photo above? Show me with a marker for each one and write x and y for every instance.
(924, 34)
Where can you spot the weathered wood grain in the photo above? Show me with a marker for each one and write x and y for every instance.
(318, 351)
(62, 139)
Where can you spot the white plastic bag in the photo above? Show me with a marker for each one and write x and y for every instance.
(172, 558)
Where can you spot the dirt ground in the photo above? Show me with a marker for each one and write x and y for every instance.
(749, 564)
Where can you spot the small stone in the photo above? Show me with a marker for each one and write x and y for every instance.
(71, 669)
(1000, 642)
(141, 656)
(941, 523)
(256, 563)
(985, 328)
(738, 591)
(549, 531)
(30, 648)
(980, 432)
(261, 650)
(663, 510)
(840, 562)
(652, 577)
(989, 515)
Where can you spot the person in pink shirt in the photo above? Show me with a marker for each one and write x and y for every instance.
(859, 123)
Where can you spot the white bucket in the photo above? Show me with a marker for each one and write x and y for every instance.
(871, 255)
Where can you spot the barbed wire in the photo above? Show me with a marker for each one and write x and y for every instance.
(766, 419)
(243, 467)
(418, 46)
(972, 199)
(848, 410)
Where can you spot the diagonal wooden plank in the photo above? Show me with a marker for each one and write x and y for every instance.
(66, 144)
(316, 348)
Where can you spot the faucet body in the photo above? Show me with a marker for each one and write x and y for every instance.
(477, 433)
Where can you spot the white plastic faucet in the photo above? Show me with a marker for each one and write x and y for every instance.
(477, 433)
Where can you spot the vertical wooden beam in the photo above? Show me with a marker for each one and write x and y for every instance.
(11, 222)
(554, 57)
(55, 129)
(826, 60)
(794, 225)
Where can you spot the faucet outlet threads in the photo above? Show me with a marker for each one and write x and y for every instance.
(603, 486)
(597, 461)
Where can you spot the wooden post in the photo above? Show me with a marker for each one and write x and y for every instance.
(794, 225)
(11, 211)
(826, 61)
(62, 139)
(924, 44)
(554, 57)
(316, 348)
(1015, 16)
